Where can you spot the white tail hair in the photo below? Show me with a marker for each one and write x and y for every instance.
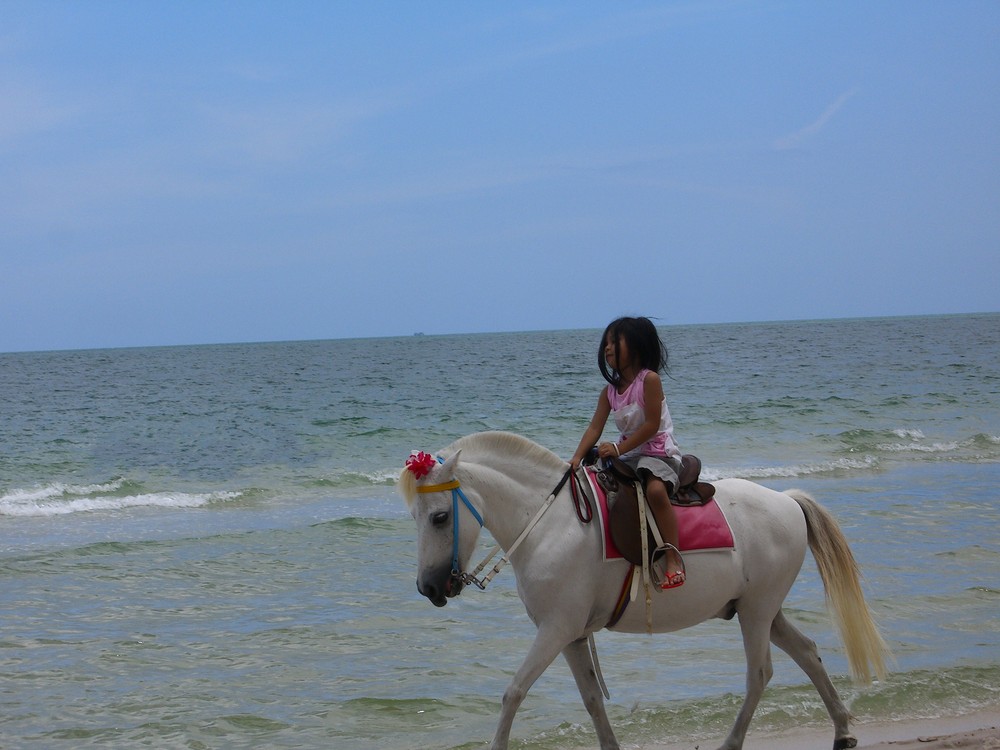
(867, 651)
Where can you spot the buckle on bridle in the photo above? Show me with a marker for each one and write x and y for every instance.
(469, 578)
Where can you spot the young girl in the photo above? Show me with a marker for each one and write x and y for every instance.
(630, 356)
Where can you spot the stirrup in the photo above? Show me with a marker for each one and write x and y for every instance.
(661, 579)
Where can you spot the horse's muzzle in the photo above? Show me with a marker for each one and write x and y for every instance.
(439, 586)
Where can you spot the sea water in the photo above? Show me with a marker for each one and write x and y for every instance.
(202, 547)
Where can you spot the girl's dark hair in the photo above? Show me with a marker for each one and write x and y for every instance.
(644, 345)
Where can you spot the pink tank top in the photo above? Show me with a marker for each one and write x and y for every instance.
(629, 411)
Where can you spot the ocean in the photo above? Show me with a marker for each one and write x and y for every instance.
(202, 546)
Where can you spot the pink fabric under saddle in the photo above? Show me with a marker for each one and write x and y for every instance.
(700, 527)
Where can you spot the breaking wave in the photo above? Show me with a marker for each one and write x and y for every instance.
(59, 499)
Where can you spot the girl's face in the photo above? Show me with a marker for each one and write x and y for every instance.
(616, 361)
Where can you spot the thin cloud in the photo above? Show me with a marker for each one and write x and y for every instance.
(287, 134)
(26, 110)
(614, 28)
(796, 139)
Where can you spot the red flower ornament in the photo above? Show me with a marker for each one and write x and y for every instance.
(420, 463)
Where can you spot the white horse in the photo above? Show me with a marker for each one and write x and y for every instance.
(569, 591)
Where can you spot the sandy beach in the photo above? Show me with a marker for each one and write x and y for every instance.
(976, 731)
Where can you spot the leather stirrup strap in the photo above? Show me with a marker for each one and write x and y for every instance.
(644, 536)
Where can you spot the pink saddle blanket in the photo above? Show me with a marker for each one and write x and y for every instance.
(700, 527)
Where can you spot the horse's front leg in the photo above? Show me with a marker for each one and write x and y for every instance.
(757, 646)
(578, 657)
(548, 643)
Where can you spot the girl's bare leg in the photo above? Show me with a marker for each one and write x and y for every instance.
(666, 521)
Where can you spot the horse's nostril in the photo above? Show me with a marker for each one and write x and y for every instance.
(429, 590)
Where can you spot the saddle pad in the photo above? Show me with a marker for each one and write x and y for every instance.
(699, 527)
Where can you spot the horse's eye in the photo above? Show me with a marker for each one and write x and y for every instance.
(440, 518)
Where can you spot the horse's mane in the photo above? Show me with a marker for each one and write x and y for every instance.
(512, 447)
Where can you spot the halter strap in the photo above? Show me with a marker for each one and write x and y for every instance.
(443, 487)
(456, 494)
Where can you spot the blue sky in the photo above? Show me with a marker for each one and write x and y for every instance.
(195, 172)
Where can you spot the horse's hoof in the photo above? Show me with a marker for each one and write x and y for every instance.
(844, 743)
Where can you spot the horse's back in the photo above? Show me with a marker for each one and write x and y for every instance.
(759, 513)
(771, 539)
(769, 535)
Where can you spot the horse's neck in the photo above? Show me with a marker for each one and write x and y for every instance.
(509, 503)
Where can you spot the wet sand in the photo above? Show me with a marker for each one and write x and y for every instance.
(977, 731)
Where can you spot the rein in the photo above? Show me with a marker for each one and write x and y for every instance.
(582, 507)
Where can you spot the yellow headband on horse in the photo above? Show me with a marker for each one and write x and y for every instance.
(443, 487)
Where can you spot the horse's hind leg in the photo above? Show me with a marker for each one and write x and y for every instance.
(578, 657)
(803, 651)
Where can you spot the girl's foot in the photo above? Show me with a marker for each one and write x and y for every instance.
(672, 580)
(674, 572)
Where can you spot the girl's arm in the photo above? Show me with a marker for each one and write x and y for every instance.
(594, 430)
(652, 394)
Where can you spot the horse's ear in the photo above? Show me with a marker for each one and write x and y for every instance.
(448, 467)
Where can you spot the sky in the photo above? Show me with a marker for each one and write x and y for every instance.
(211, 172)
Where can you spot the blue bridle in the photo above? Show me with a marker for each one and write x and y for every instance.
(583, 511)
(456, 495)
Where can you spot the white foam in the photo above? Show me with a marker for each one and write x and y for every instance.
(789, 472)
(385, 476)
(58, 489)
(918, 447)
(27, 504)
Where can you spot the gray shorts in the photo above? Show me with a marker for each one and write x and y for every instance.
(666, 468)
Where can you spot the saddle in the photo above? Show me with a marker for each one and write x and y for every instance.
(619, 481)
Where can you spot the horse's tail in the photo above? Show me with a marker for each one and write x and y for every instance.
(867, 652)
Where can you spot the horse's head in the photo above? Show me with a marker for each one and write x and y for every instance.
(447, 527)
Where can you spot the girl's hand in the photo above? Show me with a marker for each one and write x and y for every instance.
(607, 450)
